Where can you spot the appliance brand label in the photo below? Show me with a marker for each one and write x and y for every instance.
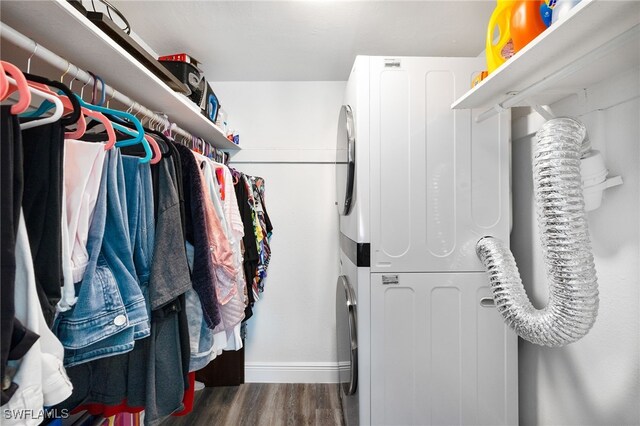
(392, 63)
(390, 280)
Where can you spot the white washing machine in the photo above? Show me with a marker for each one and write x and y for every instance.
(351, 308)
(418, 184)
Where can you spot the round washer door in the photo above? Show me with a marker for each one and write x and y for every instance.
(345, 160)
(347, 344)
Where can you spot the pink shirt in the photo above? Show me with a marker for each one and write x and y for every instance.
(222, 254)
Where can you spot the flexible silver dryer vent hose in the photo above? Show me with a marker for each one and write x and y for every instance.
(573, 288)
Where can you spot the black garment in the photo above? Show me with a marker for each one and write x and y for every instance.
(251, 256)
(267, 220)
(203, 273)
(42, 206)
(177, 164)
(15, 339)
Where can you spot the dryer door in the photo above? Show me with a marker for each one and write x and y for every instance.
(346, 321)
(345, 160)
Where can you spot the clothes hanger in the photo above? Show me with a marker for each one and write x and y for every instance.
(103, 92)
(101, 118)
(41, 85)
(157, 154)
(108, 126)
(23, 88)
(235, 175)
(68, 100)
(59, 109)
(81, 123)
(138, 135)
(117, 124)
(98, 116)
(20, 83)
(68, 107)
(94, 92)
(163, 139)
(4, 83)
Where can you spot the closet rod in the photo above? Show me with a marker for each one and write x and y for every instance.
(67, 67)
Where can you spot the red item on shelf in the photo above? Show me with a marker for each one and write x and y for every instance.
(180, 57)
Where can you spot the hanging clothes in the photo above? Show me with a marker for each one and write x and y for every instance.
(251, 255)
(110, 313)
(120, 278)
(207, 344)
(263, 230)
(16, 338)
(83, 164)
(43, 148)
(257, 233)
(202, 272)
(40, 378)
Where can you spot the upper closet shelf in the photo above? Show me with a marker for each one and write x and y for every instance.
(58, 26)
(599, 38)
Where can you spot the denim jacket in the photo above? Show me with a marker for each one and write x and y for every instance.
(110, 303)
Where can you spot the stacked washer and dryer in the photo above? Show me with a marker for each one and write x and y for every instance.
(418, 184)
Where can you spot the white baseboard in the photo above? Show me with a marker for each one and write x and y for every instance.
(291, 372)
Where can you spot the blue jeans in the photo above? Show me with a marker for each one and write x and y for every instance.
(110, 303)
(140, 210)
(200, 335)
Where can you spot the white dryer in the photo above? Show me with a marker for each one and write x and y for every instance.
(418, 184)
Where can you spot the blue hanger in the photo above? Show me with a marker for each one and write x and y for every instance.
(137, 137)
(44, 107)
(103, 93)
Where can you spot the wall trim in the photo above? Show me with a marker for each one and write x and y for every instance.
(291, 372)
(304, 156)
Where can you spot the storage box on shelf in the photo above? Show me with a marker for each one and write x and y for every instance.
(59, 26)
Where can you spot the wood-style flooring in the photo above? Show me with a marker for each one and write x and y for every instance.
(264, 404)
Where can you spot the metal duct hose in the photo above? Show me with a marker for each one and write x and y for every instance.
(562, 222)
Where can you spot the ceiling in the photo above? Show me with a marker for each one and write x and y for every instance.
(305, 40)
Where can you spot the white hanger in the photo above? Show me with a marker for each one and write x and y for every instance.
(57, 113)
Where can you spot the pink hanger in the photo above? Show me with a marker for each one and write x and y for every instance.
(23, 88)
(111, 133)
(68, 107)
(4, 84)
(157, 154)
(81, 127)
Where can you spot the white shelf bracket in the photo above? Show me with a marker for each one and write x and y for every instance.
(542, 111)
(497, 109)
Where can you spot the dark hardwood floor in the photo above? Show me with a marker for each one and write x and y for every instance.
(264, 404)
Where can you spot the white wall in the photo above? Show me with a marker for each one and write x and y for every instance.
(292, 126)
(595, 381)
